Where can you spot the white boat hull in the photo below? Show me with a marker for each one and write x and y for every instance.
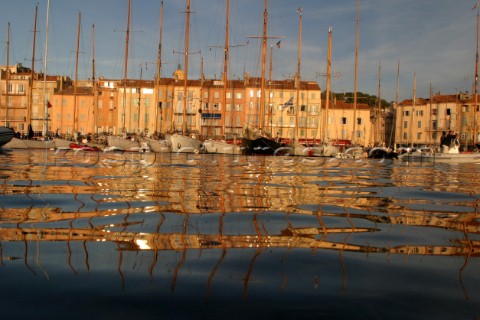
(118, 143)
(441, 157)
(184, 144)
(222, 147)
(159, 146)
(16, 143)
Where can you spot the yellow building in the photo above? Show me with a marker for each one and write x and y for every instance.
(423, 122)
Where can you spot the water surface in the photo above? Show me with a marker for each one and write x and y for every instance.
(175, 236)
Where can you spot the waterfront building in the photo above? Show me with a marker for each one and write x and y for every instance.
(156, 106)
(23, 98)
(423, 122)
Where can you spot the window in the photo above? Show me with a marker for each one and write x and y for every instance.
(303, 107)
(216, 95)
(312, 96)
(419, 113)
(405, 124)
(419, 124)
(434, 112)
(406, 113)
(205, 94)
(359, 120)
(419, 136)
(434, 125)
(229, 95)
(239, 95)
(344, 120)
(21, 88)
(405, 136)
(10, 88)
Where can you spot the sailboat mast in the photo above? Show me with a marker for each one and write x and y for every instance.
(476, 83)
(413, 109)
(270, 72)
(7, 76)
(327, 92)
(397, 93)
(185, 93)
(94, 84)
(430, 114)
(299, 57)
(159, 69)
(32, 74)
(355, 82)
(378, 136)
(75, 120)
(264, 60)
(225, 66)
(45, 103)
(127, 37)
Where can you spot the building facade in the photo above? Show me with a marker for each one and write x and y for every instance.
(157, 106)
(422, 122)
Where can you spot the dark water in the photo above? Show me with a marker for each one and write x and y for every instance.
(145, 236)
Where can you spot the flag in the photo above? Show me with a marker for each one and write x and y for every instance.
(299, 10)
(49, 105)
(476, 5)
(278, 43)
(287, 104)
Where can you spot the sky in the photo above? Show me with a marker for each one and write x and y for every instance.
(433, 41)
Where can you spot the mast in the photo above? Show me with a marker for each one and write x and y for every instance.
(7, 76)
(264, 60)
(94, 84)
(45, 100)
(32, 74)
(270, 72)
(299, 57)
(430, 115)
(185, 78)
(396, 96)
(159, 69)
(413, 109)
(127, 36)
(75, 120)
(378, 136)
(476, 81)
(225, 67)
(355, 82)
(327, 92)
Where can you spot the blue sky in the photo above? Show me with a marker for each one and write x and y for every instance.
(435, 39)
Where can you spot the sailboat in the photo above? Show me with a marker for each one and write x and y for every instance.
(222, 146)
(258, 140)
(61, 143)
(326, 149)
(16, 143)
(158, 145)
(184, 142)
(296, 147)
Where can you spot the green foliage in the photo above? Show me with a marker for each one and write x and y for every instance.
(347, 97)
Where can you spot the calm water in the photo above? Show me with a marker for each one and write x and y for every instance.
(120, 236)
